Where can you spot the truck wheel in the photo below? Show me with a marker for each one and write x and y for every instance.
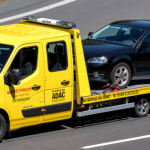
(117, 71)
(142, 107)
(2, 127)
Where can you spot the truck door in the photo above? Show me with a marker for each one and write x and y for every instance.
(58, 78)
(24, 101)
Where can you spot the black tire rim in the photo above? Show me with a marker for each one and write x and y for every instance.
(142, 106)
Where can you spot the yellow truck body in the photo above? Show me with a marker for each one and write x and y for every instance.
(47, 93)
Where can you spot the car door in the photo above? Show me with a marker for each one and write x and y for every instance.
(24, 101)
(58, 78)
(143, 59)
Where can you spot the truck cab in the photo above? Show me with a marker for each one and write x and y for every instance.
(37, 76)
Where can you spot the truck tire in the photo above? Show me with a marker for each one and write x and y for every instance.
(142, 107)
(117, 71)
(2, 127)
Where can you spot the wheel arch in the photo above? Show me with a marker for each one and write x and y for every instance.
(5, 114)
(136, 98)
(147, 96)
(124, 59)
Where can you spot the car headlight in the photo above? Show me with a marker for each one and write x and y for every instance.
(100, 60)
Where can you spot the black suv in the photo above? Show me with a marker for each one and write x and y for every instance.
(120, 48)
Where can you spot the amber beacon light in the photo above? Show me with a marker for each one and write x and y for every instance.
(50, 21)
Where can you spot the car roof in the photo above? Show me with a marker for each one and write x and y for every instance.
(145, 24)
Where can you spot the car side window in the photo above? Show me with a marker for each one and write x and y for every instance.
(57, 56)
(26, 61)
(146, 38)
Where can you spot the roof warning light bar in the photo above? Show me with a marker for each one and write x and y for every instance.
(50, 21)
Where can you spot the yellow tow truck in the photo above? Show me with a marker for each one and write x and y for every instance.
(37, 77)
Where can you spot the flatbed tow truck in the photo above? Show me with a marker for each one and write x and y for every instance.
(37, 77)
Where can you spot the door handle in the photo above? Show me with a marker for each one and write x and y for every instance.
(65, 82)
(36, 87)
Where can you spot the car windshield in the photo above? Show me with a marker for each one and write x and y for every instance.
(118, 34)
(5, 51)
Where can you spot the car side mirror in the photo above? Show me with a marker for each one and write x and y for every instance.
(90, 33)
(15, 76)
(145, 44)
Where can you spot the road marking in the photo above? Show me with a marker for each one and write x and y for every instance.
(37, 10)
(116, 142)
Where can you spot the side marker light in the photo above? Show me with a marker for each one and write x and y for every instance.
(82, 106)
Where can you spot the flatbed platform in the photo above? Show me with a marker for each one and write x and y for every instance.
(98, 96)
(128, 88)
(132, 90)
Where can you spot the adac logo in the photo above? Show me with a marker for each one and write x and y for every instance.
(19, 90)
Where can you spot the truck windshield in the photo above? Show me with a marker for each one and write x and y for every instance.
(118, 34)
(5, 51)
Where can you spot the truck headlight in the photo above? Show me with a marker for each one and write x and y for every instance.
(99, 60)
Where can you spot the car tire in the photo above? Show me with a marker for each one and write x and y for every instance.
(142, 107)
(2, 127)
(116, 71)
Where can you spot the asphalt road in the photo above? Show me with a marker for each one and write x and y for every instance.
(89, 15)
(77, 133)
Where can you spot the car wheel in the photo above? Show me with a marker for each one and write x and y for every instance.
(142, 107)
(117, 71)
(2, 127)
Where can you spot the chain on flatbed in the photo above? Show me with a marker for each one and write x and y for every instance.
(116, 95)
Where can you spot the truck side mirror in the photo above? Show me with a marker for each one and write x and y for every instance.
(90, 33)
(145, 44)
(15, 76)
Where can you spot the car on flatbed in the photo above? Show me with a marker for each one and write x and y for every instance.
(120, 47)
